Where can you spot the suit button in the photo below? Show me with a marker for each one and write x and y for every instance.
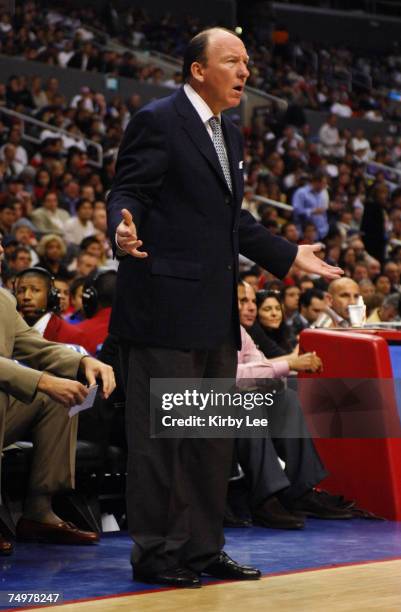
(229, 267)
(227, 199)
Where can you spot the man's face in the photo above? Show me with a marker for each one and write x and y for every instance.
(31, 293)
(50, 202)
(314, 310)
(367, 290)
(247, 305)
(291, 233)
(383, 285)
(291, 299)
(221, 80)
(7, 217)
(100, 220)
(344, 294)
(85, 211)
(360, 273)
(252, 280)
(95, 249)
(392, 271)
(86, 265)
(374, 269)
(23, 235)
(388, 313)
(64, 294)
(22, 261)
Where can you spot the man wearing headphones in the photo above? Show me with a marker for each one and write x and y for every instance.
(97, 300)
(39, 304)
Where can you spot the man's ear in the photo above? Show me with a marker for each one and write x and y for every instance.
(328, 298)
(197, 72)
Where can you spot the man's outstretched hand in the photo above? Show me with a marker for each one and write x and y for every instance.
(126, 236)
(307, 261)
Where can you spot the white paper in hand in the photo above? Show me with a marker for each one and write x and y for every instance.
(87, 403)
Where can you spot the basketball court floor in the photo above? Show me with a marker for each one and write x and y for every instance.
(331, 565)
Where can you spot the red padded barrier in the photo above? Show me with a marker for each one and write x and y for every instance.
(365, 469)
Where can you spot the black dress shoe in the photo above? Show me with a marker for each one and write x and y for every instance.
(233, 521)
(178, 577)
(226, 569)
(316, 506)
(273, 515)
(338, 501)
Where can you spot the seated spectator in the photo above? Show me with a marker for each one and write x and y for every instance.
(248, 319)
(7, 218)
(342, 292)
(80, 226)
(24, 233)
(251, 277)
(329, 137)
(392, 271)
(388, 311)
(374, 267)
(37, 405)
(49, 218)
(275, 495)
(76, 289)
(38, 302)
(70, 196)
(311, 306)
(93, 246)
(97, 300)
(361, 272)
(20, 259)
(52, 250)
(382, 284)
(367, 289)
(290, 299)
(272, 320)
(63, 289)
(86, 264)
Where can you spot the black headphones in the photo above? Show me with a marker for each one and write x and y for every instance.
(53, 296)
(90, 296)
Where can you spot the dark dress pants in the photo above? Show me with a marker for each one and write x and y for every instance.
(176, 488)
(258, 457)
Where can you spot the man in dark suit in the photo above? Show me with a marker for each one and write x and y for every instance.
(179, 177)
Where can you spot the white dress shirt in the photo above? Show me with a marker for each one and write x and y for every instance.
(203, 110)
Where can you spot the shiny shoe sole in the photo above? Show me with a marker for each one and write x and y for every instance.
(146, 580)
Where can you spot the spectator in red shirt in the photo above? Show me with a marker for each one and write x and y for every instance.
(97, 300)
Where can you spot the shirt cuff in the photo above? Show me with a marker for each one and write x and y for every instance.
(119, 252)
(280, 368)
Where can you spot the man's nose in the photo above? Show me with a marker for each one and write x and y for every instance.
(243, 71)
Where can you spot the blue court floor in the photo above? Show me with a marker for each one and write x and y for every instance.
(89, 572)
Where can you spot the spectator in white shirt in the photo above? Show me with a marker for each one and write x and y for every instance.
(329, 137)
(79, 227)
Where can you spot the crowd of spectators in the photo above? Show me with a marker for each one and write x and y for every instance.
(52, 195)
(338, 79)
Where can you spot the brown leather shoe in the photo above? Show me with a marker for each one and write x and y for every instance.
(61, 533)
(6, 547)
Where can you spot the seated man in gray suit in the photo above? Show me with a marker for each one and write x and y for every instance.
(34, 398)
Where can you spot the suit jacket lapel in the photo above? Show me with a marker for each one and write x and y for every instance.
(197, 132)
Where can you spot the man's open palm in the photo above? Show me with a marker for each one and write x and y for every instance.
(126, 236)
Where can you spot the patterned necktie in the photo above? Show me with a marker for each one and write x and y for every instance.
(218, 142)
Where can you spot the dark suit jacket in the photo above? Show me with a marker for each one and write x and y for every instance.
(168, 175)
